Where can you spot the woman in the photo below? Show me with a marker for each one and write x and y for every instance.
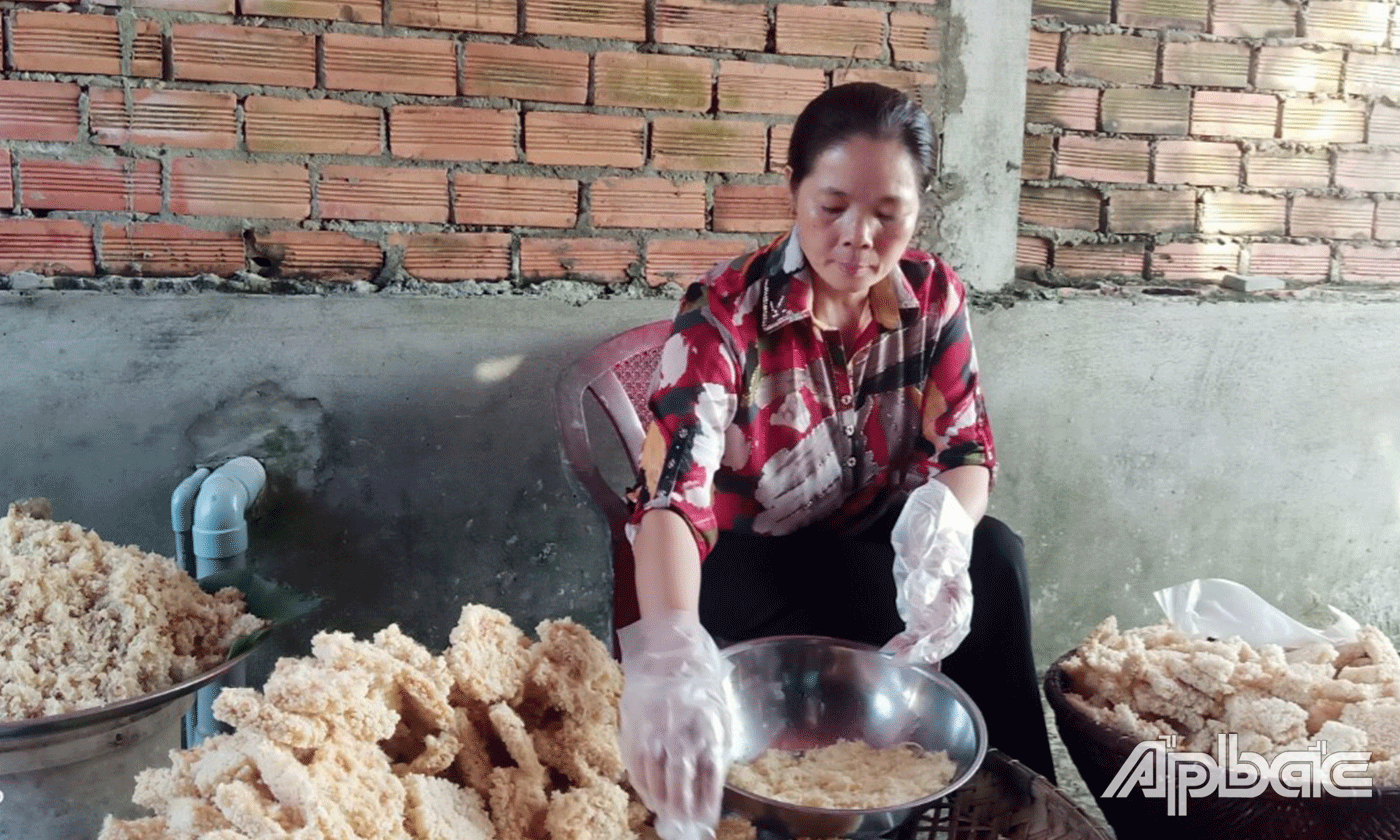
(805, 390)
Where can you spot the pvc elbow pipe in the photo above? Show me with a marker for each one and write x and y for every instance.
(220, 529)
(182, 518)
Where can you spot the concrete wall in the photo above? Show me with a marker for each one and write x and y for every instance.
(414, 464)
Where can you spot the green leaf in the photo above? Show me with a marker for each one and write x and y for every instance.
(273, 602)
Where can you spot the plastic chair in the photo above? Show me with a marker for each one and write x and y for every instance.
(617, 375)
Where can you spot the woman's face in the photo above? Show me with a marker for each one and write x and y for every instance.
(856, 212)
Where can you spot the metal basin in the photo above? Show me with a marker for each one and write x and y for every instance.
(798, 692)
(60, 775)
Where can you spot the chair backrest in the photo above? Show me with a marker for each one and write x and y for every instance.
(616, 374)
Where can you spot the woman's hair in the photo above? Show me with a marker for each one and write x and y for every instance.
(876, 111)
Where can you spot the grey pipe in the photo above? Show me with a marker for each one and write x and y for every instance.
(219, 537)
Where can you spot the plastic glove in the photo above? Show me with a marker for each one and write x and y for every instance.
(932, 541)
(674, 723)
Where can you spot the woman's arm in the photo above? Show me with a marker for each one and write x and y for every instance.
(971, 485)
(667, 564)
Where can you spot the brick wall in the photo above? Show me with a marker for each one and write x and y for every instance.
(489, 140)
(1180, 140)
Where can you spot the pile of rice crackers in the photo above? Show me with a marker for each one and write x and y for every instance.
(1155, 682)
(85, 623)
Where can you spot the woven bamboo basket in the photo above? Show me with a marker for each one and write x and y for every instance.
(1005, 800)
(1099, 752)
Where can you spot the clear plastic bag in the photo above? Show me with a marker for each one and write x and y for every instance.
(932, 540)
(1222, 608)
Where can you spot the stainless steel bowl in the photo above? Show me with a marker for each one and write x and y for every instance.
(810, 691)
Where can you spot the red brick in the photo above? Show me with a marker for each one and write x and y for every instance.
(1146, 111)
(1044, 51)
(1197, 162)
(65, 42)
(1299, 69)
(532, 73)
(1359, 22)
(1037, 151)
(709, 145)
(1255, 19)
(316, 255)
(1372, 75)
(1163, 14)
(583, 139)
(317, 126)
(1331, 218)
(420, 65)
(752, 208)
(350, 11)
(486, 199)
(476, 16)
(157, 117)
(46, 246)
(1324, 120)
(7, 187)
(81, 43)
(707, 23)
(647, 203)
(1067, 107)
(161, 249)
(1290, 262)
(455, 256)
(1388, 219)
(1152, 211)
(622, 19)
(916, 85)
(382, 194)
(1129, 59)
(765, 88)
(1369, 263)
(1073, 11)
(1195, 260)
(1232, 114)
(1205, 64)
(1285, 168)
(1032, 252)
(683, 261)
(200, 187)
(597, 260)
(1102, 159)
(243, 55)
(1096, 260)
(640, 80)
(1368, 170)
(1384, 126)
(915, 37)
(1059, 207)
(447, 132)
(1243, 213)
(213, 7)
(841, 31)
(38, 110)
(122, 185)
(779, 137)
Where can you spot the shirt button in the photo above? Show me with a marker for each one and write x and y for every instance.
(851, 462)
(850, 430)
(845, 399)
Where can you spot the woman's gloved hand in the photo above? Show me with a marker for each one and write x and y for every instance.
(932, 542)
(674, 723)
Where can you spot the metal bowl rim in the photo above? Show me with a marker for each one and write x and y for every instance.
(978, 723)
(48, 724)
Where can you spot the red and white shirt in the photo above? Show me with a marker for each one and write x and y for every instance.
(763, 425)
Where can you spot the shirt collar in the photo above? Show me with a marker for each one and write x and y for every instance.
(787, 291)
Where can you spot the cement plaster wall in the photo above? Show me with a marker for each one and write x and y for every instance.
(414, 464)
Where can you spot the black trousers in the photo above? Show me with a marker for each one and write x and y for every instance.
(816, 582)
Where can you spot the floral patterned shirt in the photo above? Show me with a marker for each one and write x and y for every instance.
(763, 425)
